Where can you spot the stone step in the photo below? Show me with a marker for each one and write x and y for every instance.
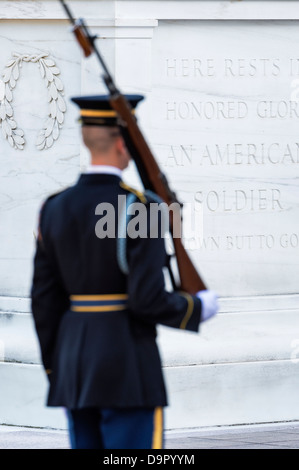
(242, 368)
(210, 395)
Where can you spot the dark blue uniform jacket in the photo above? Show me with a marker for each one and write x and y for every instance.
(102, 359)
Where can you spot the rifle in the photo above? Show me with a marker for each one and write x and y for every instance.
(149, 171)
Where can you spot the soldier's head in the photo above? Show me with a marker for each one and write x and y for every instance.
(106, 145)
(101, 129)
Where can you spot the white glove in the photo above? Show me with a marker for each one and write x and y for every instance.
(209, 302)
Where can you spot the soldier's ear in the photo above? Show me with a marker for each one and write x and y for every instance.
(120, 144)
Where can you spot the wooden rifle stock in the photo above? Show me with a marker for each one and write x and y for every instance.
(82, 40)
(151, 175)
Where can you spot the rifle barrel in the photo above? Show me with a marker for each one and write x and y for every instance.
(68, 12)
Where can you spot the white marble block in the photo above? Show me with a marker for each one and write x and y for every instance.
(221, 114)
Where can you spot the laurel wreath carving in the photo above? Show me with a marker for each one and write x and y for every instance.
(57, 107)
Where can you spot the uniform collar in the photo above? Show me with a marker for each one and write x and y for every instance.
(103, 170)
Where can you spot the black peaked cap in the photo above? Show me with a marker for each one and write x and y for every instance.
(96, 109)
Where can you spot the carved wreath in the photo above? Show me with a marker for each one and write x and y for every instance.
(57, 107)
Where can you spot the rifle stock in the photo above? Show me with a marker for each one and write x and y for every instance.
(151, 175)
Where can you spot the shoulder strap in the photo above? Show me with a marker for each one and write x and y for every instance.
(140, 195)
(123, 223)
(122, 236)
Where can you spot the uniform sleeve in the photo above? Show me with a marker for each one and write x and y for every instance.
(148, 298)
(48, 301)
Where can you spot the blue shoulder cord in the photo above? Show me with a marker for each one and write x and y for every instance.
(122, 236)
(122, 230)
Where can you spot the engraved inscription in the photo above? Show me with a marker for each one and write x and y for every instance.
(190, 67)
(219, 110)
(263, 67)
(251, 67)
(240, 200)
(230, 154)
(191, 110)
(268, 241)
(278, 109)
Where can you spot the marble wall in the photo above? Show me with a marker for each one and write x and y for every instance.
(225, 117)
(221, 114)
(39, 150)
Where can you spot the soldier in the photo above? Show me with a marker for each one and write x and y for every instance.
(96, 321)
